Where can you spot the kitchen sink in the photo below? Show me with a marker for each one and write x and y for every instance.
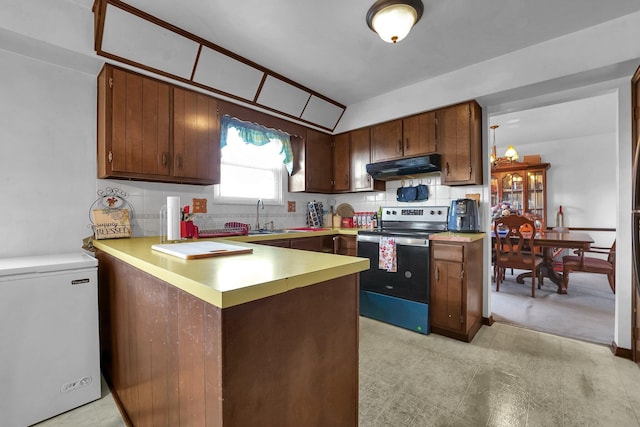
(259, 232)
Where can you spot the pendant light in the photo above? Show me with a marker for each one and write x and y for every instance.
(493, 157)
(393, 19)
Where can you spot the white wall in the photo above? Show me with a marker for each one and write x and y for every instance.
(47, 162)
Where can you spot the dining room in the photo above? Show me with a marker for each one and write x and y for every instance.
(557, 163)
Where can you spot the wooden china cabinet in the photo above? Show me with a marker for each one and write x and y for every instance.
(522, 185)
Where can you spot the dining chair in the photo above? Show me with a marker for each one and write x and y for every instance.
(589, 264)
(514, 248)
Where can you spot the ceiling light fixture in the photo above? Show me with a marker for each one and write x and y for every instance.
(493, 158)
(511, 154)
(393, 19)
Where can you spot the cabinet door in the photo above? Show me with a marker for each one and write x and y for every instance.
(512, 185)
(134, 126)
(495, 195)
(386, 141)
(341, 164)
(536, 195)
(419, 134)
(345, 245)
(196, 137)
(446, 296)
(318, 162)
(459, 141)
(281, 243)
(315, 244)
(360, 157)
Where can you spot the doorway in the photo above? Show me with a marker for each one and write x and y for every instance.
(578, 139)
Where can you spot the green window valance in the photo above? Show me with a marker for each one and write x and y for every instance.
(255, 134)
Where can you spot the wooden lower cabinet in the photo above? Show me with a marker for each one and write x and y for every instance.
(281, 243)
(455, 306)
(174, 360)
(345, 245)
(314, 243)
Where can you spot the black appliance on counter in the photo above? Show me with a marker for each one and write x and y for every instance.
(400, 297)
(463, 216)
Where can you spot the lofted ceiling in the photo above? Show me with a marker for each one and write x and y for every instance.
(327, 46)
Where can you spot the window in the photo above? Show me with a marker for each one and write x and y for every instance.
(251, 165)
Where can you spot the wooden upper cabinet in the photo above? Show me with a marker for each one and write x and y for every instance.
(341, 163)
(133, 126)
(319, 162)
(386, 141)
(360, 157)
(408, 137)
(312, 168)
(460, 143)
(196, 136)
(419, 134)
(153, 131)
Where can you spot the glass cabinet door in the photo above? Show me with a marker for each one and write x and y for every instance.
(512, 190)
(535, 195)
(495, 197)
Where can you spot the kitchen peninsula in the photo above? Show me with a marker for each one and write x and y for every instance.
(267, 338)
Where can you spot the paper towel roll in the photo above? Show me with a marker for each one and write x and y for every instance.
(173, 218)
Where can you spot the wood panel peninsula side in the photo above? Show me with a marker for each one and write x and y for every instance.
(267, 338)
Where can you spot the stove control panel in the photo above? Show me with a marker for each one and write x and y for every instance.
(416, 214)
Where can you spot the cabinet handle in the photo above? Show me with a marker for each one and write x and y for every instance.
(399, 146)
(179, 158)
(164, 159)
(406, 145)
(346, 179)
(437, 274)
(110, 156)
(446, 168)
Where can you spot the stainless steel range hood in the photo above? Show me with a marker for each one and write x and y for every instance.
(397, 169)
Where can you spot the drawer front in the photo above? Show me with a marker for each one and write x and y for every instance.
(454, 253)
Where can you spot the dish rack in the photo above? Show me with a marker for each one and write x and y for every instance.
(229, 229)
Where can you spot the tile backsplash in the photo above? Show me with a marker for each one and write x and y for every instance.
(148, 198)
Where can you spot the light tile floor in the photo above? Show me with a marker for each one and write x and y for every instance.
(507, 376)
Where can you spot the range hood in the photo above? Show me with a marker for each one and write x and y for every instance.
(397, 169)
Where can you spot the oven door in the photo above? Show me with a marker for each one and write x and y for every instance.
(411, 281)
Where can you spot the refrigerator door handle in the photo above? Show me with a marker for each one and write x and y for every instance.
(636, 178)
(636, 248)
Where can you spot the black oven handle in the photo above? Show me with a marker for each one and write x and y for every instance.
(400, 240)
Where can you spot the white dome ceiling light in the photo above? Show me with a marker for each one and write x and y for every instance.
(393, 19)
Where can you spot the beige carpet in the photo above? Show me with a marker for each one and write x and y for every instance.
(586, 312)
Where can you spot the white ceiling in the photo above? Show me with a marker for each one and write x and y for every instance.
(594, 115)
(327, 46)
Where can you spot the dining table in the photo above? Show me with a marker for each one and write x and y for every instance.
(550, 239)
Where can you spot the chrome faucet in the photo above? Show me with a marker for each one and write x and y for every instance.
(258, 213)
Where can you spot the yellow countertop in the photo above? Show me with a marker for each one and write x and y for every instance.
(225, 281)
(450, 236)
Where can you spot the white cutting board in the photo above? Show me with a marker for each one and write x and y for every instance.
(193, 250)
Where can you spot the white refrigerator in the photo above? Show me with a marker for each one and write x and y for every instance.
(49, 349)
